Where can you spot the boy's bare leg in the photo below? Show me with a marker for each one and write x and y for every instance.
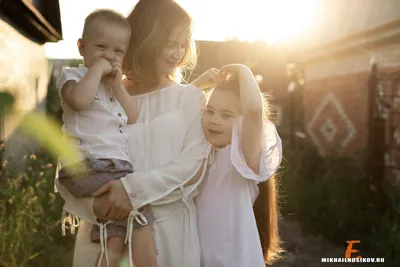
(115, 250)
(144, 247)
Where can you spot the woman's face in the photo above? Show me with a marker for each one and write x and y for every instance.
(174, 50)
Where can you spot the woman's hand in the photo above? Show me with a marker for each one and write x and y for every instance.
(112, 201)
(101, 206)
(207, 80)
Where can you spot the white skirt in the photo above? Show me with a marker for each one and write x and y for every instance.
(175, 232)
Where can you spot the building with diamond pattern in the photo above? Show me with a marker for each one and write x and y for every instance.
(350, 105)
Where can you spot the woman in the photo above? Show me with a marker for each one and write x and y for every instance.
(167, 144)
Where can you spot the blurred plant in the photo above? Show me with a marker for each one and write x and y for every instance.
(30, 233)
(46, 130)
(75, 62)
(53, 107)
(328, 197)
(6, 102)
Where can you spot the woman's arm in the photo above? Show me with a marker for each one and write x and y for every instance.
(112, 200)
(252, 108)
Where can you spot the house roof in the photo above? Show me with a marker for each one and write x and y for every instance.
(344, 25)
(38, 20)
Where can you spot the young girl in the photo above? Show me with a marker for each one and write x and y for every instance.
(247, 151)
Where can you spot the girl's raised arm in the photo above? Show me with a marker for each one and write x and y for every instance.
(252, 109)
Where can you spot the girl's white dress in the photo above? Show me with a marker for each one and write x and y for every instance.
(227, 227)
(167, 147)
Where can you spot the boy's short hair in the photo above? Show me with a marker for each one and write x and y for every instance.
(107, 15)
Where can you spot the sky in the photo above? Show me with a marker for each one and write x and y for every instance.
(214, 20)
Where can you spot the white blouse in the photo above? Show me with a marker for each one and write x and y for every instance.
(227, 226)
(167, 147)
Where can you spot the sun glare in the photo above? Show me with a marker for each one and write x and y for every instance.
(266, 20)
(286, 19)
(215, 20)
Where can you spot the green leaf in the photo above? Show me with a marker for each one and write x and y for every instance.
(46, 130)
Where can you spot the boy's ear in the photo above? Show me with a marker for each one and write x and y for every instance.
(81, 47)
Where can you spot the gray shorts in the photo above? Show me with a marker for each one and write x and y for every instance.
(85, 177)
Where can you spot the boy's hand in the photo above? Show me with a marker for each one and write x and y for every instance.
(235, 69)
(207, 80)
(114, 78)
(102, 65)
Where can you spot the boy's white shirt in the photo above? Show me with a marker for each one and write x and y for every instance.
(101, 130)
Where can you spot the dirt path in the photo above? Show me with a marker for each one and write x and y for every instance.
(304, 250)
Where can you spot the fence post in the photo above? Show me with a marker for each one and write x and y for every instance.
(296, 110)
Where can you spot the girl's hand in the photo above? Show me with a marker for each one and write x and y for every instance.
(207, 80)
(235, 69)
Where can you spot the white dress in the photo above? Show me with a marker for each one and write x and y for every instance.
(167, 147)
(227, 226)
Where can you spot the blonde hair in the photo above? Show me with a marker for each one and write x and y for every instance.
(108, 15)
(152, 22)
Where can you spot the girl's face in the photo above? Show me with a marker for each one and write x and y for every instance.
(174, 50)
(221, 111)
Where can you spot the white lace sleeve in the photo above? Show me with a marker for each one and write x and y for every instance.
(271, 155)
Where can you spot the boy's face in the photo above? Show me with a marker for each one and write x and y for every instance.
(221, 111)
(104, 40)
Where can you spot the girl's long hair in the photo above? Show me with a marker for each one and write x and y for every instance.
(266, 208)
(266, 213)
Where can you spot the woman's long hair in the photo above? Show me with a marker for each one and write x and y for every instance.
(152, 22)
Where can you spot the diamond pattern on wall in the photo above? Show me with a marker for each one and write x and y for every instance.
(329, 130)
(334, 126)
